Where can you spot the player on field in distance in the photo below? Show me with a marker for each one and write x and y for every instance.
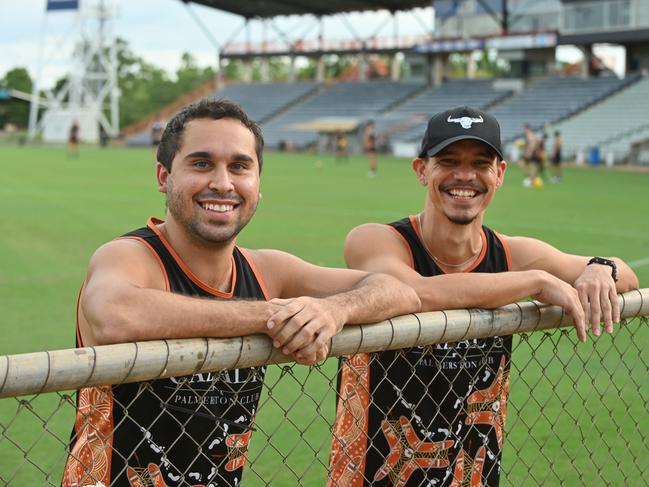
(186, 277)
(528, 155)
(436, 415)
(156, 134)
(73, 139)
(369, 147)
(342, 153)
(556, 157)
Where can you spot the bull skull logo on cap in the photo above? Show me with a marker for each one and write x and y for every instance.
(465, 122)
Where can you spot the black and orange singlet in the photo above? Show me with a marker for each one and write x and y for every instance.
(188, 431)
(429, 415)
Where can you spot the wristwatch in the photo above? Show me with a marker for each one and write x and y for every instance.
(608, 262)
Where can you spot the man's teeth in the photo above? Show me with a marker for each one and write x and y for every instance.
(219, 208)
(462, 193)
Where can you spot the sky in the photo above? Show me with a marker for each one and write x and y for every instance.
(161, 30)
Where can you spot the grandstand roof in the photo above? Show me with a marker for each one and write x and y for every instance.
(272, 8)
(627, 36)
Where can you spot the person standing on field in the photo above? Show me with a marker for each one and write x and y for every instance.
(156, 132)
(529, 148)
(186, 277)
(436, 415)
(369, 146)
(73, 139)
(556, 157)
(342, 154)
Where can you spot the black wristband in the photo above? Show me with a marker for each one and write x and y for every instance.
(608, 262)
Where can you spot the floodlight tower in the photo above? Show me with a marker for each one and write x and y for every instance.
(90, 95)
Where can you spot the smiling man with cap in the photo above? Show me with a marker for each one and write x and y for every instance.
(437, 414)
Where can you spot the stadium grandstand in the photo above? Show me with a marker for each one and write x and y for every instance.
(358, 100)
(631, 125)
(415, 112)
(525, 35)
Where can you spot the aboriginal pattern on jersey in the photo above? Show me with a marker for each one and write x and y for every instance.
(90, 457)
(409, 453)
(190, 431)
(468, 473)
(347, 462)
(430, 415)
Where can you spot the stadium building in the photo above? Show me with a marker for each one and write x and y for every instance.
(595, 108)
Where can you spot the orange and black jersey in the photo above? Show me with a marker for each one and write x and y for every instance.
(429, 415)
(191, 430)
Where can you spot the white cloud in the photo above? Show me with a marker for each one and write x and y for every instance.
(169, 59)
(56, 59)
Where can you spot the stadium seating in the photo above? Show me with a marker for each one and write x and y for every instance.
(620, 148)
(407, 120)
(613, 125)
(262, 100)
(551, 100)
(400, 110)
(358, 100)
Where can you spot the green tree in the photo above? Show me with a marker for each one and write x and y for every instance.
(457, 65)
(309, 71)
(16, 111)
(232, 69)
(145, 88)
(278, 68)
(489, 66)
(335, 65)
(190, 76)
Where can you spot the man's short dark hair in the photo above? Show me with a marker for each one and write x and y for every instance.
(205, 109)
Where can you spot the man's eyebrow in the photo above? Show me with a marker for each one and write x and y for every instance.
(240, 157)
(198, 155)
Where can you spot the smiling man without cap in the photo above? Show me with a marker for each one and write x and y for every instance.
(185, 277)
(436, 414)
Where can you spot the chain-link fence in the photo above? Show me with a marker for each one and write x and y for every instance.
(458, 398)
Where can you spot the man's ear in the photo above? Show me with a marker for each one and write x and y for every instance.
(502, 167)
(419, 166)
(162, 174)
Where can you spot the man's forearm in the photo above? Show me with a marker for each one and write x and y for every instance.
(478, 290)
(376, 297)
(626, 278)
(149, 314)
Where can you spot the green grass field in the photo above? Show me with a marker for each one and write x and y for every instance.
(56, 211)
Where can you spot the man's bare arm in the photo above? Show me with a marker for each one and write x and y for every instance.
(389, 255)
(306, 323)
(377, 248)
(594, 283)
(124, 299)
(530, 253)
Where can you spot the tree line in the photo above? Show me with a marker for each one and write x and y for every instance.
(146, 88)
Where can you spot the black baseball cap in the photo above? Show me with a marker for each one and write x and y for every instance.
(460, 123)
